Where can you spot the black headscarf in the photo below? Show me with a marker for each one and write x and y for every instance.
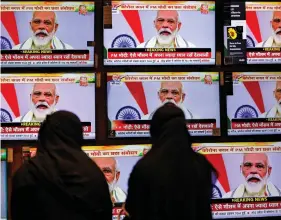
(169, 180)
(62, 169)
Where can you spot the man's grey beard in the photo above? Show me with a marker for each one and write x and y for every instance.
(166, 40)
(179, 104)
(42, 41)
(276, 37)
(255, 187)
(112, 185)
(40, 114)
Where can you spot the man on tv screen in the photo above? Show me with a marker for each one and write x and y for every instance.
(167, 25)
(275, 111)
(171, 91)
(43, 100)
(110, 168)
(256, 170)
(275, 39)
(43, 25)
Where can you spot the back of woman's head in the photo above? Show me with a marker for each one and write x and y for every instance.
(61, 127)
(169, 121)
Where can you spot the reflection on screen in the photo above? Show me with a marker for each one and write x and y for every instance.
(4, 189)
(252, 33)
(254, 107)
(27, 99)
(143, 93)
(157, 33)
(47, 34)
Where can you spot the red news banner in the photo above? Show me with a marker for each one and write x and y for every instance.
(36, 55)
(117, 211)
(269, 52)
(246, 206)
(159, 53)
(32, 128)
(257, 123)
(143, 125)
(247, 203)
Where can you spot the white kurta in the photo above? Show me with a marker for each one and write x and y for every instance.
(56, 43)
(271, 190)
(179, 41)
(272, 113)
(268, 43)
(119, 195)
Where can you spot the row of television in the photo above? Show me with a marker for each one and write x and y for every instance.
(61, 34)
(253, 101)
(249, 184)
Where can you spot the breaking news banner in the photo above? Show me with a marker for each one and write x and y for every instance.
(255, 106)
(253, 33)
(160, 32)
(143, 93)
(248, 185)
(38, 34)
(27, 99)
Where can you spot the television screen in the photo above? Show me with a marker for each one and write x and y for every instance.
(255, 106)
(4, 183)
(160, 33)
(38, 34)
(117, 163)
(26, 99)
(134, 97)
(252, 33)
(249, 182)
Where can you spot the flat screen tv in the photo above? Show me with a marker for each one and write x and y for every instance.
(47, 34)
(133, 98)
(254, 107)
(249, 182)
(27, 98)
(160, 33)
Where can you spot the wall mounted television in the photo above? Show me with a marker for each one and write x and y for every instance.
(26, 99)
(160, 33)
(254, 106)
(133, 98)
(47, 34)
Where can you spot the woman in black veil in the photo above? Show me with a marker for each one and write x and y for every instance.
(61, 181)
(171, 181)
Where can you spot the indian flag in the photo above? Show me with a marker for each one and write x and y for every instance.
(9, 30)
(9, 103)
(258, 27)
(9, 38)
(130, 19)
(130, 92)
(221, 184)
